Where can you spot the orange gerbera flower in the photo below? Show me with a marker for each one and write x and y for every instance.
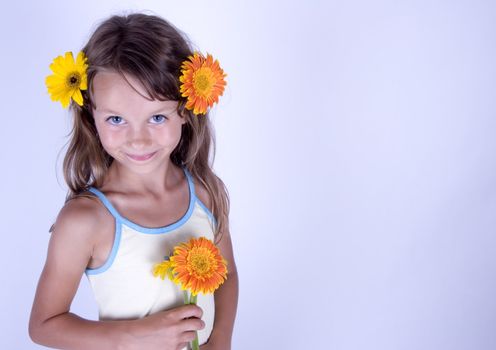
(198, 266)
(202, 82)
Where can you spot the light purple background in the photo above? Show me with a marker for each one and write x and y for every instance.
(357, 140)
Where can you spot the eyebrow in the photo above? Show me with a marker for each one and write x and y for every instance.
(163, 110)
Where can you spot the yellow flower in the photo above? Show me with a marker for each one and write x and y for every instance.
(198, 266)
(202, 82)
(162, 269)
(68, 80)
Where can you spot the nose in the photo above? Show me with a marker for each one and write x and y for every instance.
(139, 138)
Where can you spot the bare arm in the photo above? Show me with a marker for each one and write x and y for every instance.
(226, 297)
(69, 251)
(69, 331)
(51, 324)
(226, 301)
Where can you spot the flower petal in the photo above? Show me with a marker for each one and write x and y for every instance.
(57, 83)
(211, 83)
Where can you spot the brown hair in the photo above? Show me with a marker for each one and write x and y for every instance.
(150, 49)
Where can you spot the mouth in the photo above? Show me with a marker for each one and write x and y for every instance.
(141, 157)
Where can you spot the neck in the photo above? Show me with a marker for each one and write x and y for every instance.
(156, 182)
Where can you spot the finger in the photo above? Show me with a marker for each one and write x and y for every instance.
(187, 337)
(191, 324)
(182, 346)
(190, 310)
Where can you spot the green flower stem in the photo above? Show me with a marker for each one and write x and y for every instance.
(195, 343)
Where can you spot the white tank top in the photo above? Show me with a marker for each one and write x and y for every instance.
(124, 286)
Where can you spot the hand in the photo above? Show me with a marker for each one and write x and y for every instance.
(165, 330)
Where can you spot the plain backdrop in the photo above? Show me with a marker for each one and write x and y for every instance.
(357, 141)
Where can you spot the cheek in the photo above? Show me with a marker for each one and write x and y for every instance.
(170, 137)
(109, 139)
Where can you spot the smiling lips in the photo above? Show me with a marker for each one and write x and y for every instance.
(141, 158)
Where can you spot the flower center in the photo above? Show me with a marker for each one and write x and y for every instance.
(200, 262)
(73, 80)
(203, 81)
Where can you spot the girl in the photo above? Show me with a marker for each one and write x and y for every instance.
(140, 182)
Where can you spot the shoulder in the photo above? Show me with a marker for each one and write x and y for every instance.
(82, 209)
(80, 218)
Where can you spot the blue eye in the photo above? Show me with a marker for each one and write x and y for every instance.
(114, 117)
(159, 118)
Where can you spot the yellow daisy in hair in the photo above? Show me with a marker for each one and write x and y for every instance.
(198, 266)
(202, 82)
(68, 78)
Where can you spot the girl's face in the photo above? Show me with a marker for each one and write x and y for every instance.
(138, 133)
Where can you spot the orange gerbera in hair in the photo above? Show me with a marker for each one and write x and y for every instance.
(202, 82)
(198, 266)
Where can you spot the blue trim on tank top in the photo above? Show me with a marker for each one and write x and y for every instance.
(209, 213)
(113, 253)
(151, 230)
(119, 220)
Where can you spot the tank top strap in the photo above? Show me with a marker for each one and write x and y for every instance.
(194, 198)
(105, 202)
(191, 184)
(116, 214)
